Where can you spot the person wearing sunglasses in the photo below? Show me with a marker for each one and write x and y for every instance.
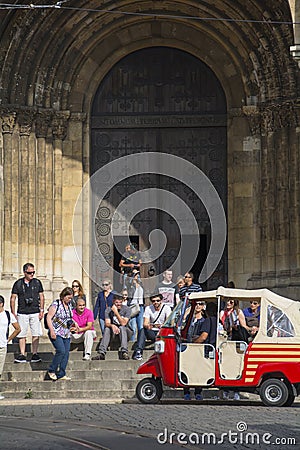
(104, 300)
(252, 316)
(194, 331)
(77, 293)
(30, 312)
(155, 316)
(189, 285)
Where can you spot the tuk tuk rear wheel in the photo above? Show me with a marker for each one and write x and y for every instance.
(149, 390)
(274, 392)
(290, 399)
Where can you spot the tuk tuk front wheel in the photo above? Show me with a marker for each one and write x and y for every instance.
(149, 390)
(274, 392)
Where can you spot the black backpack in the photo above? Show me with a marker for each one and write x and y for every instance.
(46, 314)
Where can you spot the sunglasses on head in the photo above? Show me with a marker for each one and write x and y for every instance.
(31, 273)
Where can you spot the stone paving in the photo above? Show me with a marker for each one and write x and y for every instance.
(274, 426)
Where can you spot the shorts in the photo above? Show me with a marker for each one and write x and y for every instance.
(32, 321)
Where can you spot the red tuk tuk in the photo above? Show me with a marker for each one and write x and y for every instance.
(269, 365)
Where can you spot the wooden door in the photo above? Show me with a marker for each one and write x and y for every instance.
(160, 100)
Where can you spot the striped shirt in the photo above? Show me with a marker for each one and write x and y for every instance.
(189, 289)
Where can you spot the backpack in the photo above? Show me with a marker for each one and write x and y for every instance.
(46, 314)
(8, 320)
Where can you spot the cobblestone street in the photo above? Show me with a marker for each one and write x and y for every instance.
(118, 425)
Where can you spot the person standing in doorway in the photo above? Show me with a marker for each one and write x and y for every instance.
(30, 294)
(130, 260)
(6, 318)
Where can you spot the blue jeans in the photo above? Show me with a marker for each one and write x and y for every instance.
(145, 334)
(61, 357)
(102, 325)
(136, 323)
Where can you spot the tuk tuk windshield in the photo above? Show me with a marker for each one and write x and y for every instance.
(179, 314)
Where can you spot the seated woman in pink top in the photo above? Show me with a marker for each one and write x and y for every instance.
(84, 327)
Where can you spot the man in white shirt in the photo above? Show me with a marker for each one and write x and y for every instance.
(6, 318)
(167, 288)
(155, 316)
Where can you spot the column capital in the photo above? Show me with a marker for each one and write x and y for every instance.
(60, 124)
(8, 119)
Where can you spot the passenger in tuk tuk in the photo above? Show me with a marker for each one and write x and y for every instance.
(193, 333)
(252, 317)
(233, 321)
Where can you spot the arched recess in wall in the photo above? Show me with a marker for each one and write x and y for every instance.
(163, 100)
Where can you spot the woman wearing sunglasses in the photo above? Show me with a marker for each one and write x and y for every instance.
(77, 292)
(104, 299)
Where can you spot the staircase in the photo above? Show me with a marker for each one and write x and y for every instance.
(112, 379)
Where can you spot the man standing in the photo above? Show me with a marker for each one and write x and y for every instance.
(130, 260)
(104, 299)
(155, 316)
(189, 285)
(85, 332)
(167, 288)
(30, 293)
(116, 321)
(6, 319)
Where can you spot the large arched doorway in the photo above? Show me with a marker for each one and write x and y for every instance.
(160, 99)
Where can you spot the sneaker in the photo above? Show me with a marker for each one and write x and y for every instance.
(100, 356)
(65, 378)
(225, 395)
(20, 359)
(236, 396)
(87, 357)
(187, 397)
(125, 356)
(36, 358)
(52, 376)
(1, 397)
(199, 397)
(137, 356)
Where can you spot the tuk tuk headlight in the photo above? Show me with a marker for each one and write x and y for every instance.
(159, 346)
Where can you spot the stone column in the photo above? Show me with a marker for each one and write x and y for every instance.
(268, 183)
(27, 186)
(9, 183)
(44, 251)
(59, 131)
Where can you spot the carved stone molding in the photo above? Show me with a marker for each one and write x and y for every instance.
(25, 120)
(254, 117)
(60, 125)
(278, 116)
(42, 123)
(78, 117)
(8, 122)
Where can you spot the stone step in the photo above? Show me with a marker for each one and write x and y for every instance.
(74, 356)
(70, 394)
(76, 374)
(115, 364)
(46, 347)
(114, 385)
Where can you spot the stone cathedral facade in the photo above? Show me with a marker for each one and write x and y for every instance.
(85, 83)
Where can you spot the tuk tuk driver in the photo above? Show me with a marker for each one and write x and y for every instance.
(209, 326)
